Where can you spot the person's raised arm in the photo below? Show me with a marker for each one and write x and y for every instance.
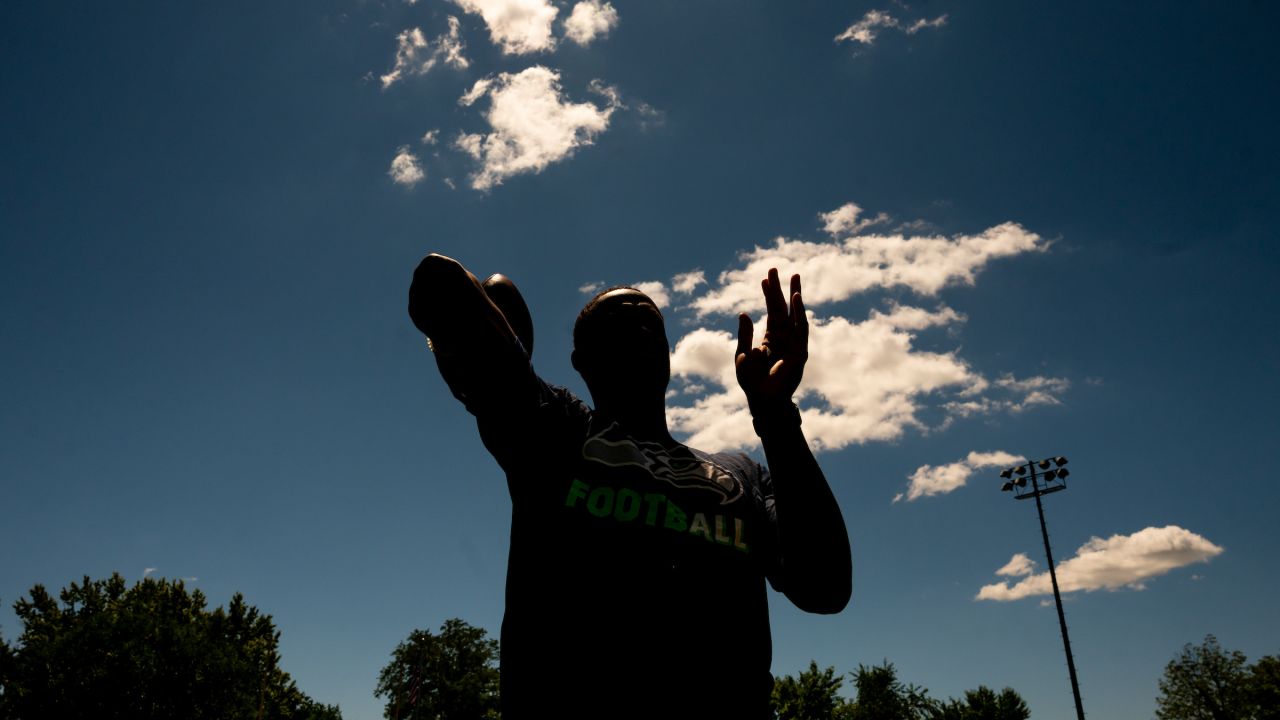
(480, 333)
(815, 564)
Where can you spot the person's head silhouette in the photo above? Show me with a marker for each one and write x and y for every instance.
(620, 348)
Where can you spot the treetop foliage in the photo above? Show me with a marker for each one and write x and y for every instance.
(453, 675)
(814, 695)
(1205, 682)
(102, 649)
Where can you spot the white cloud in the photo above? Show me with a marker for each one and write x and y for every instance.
(685, 283)
(1028, 393)
(836, 270)
(416, 56)
(867, 29)
(867, 373)
(148, 571)
(589, 20)
(518, 26)
(656, 291)
(923, 24)
(405, 168)
(1018, 566)
(930, 480)
(431, 137)
(608, 92)
(1119, 561)
(590, 287)
(650, 116)
(864, 31)
(844, 220)
(531, 125)
(866, 380)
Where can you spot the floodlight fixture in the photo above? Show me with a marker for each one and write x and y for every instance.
(1050, 474)
(1044, 464)
(1063, 473)
(1021, 482)
(1006, 487)
(1006, 473)
(1060, 461)
(1021, 470)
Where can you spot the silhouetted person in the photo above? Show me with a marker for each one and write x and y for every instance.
(636, 575)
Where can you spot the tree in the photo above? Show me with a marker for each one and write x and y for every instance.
(450, 676)
(102, 649)
(6, 671)
(882, 695)
(1204, 682)
(984, 704)
(1264, 687)
(814, 695)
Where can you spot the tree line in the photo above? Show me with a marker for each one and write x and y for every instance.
(102, 649)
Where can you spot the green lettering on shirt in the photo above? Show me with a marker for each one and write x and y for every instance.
(628, 505)
(676, 519)
(577, 491)
(600, 501)
(652, 501)
(699, 526)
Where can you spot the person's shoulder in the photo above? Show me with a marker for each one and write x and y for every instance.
(739, 463)
(560, 396)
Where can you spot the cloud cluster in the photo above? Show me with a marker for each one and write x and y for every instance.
(416, 56)
(405, 169)
(930, 480)
(1113, 563)
(532, 124)
(589, 20)
(867, 29)
(866, 379)
(519, 27)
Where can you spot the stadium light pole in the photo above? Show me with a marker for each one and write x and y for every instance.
(1050, 480)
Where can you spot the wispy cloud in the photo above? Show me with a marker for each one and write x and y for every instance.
(847, 220)
(837, 270)
(532, 125)
(405, 168)
(1018, 566)
(866, 30)
(1120, 561)
(686, 283)
(519, 27)
(148, 571)
(589, 20)
(929, 480)
(416, 56)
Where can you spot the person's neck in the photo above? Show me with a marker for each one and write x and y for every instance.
(641, 419)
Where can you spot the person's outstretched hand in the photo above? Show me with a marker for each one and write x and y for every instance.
(770, 372)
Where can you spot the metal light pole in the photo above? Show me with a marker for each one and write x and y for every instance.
(1054, 479)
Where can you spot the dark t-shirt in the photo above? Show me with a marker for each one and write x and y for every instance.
(636, 575)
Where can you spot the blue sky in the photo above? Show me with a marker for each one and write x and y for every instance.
(1024, 229)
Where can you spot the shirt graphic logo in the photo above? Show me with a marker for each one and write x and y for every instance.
(681, 472)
